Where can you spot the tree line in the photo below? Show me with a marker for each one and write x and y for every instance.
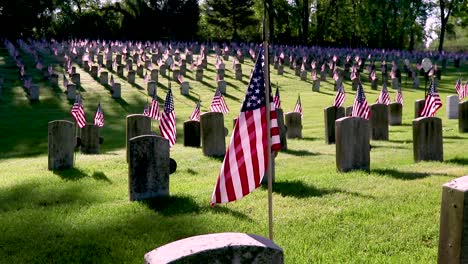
(394, 24)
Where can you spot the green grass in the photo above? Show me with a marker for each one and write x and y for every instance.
(390, 215)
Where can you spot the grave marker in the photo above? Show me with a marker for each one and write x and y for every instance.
(294, 125)
(331, 114)
(137, 125)
(192, 133)
(427, 139)
(452, 106)
(212, 134)
(61, 143)
(116, 90)
(90, 139)
(463, 117)
(395, 112)
(378, 121)
(352, 144)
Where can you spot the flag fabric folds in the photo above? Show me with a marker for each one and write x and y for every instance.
(461, 91)
(99, 117)
(298, 107)
(245, 162)
(78, 113)
(399, 96)
(276, 99)
(167, 124)
(339, 97)
(432, 102)
(218, 104)
(384, 97)
(360, 106)
(195, 116)
(154, 112)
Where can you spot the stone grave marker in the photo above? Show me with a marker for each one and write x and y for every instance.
(53, 78)
(90, 139)
(61, 142)
(175, 74)
(218, 248)
(212, 134)
(116, 90)
(131, 76)
(139, 70)
(378, 121)
(129, 64)
(352, 144)
(148, 167)
(331, 114)
(427, 139)
(94, 71)
(185, 88)
(151, 88)
(282, 129)
(395, 113)
(71, 91)
(192, 133)
(104, 78)
(463, 117)
(120, 70)
(238, 72)
(34, 92)
(154, 75)
(418, 106)
(349, 111)
(137, 125)
(162, 70)
(316, 85)
(323, 76)
(294, 124)
(303, 75)
(199, 74)
(452, 106)
(75, 78)
(222, 86)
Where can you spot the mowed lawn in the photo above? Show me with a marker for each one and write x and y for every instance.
(83, 215)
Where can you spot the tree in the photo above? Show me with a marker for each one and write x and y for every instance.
(446, 8)
(231, 16)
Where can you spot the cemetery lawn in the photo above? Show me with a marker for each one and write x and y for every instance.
(83, 215)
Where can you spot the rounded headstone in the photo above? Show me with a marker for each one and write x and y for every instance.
(331, 114)
(104, 78)
(90, 139)
(137, 125)
(212, 134)
(352, 144)
(151, 88)
(76, 78)
(418, 106)
(463, 117)
(452, 106)
(192, 133)
(116, 90)
(294, 124)
(131, 76)
(61, 142)
(349, 111)
(395, 112)
(378, 121)
(427, 139)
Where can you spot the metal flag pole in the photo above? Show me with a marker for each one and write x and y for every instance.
(267, 108)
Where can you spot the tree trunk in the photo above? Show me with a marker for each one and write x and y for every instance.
(443, 26)
(305, 21)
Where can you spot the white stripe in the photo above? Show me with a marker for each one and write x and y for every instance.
(236, 164)
(248, 156)
(259, 143)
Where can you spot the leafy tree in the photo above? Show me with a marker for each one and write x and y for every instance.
(447, 8)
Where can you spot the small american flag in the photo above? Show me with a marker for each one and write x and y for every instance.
(298, 107)
(180, 78)
(167, 125)
(339, 97)
(78, 113)
(399, 96)
(460, 89)
(432, 102)
(360, 106)
(99, 117)
(218, 104)
(276, 99)
(246, 160)
(195, 116)
(384, 97)
(154, 109)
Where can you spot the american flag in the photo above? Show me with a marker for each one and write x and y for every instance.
(399, 96)
(195, 116)
(167, 125)
(432, 102)
(360, 106)
(339, 97)
(384, 97)
(460, 89)
(153, 111)
(218, 104)
(466, 88)
(180, 78)
(246, 160)
(276, 99)
(99, 117)
(298, 107)
(78, 113)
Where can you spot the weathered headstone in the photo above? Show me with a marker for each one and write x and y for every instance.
(352, 144)
(75, 78)
(199, 74)
(416, 81)
(120, 70)
(53, 78)
(463, 117)
(323, 76)
(148, 167)
(131, 76)
(337, 84)
(61, 141)
(185, 88)
(139, 70)
(162, 70)
(453, 240)
(175, 74)
(154, 75)
(212, 134)
(94, 71)
(218, 248)
(151, 88)
(303, 75)
(427, 139)
(452, 106)
(86, 65)
(349, 111)
(222, 86)
(418, 106)
(192, 133)
(316, 85)
(118, 58)
(71, 91)
(280, 70)
(355, 84)
(34, 92)
(282, 128)
(137, 125)
(116, 90)
(90, 139)
(294, 125)
(395, 83)
(331, 114)
(100, 59)
(378, 121)
(395, 112)
(104, 78)
(129, 64)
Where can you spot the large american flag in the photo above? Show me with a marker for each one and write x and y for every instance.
(218, 104)
(384, 97)
(360, 106)
(276, 99)
(154, 112)
(167, 125)
(246, 160)
(339, 97)
(460, 89)
(432, 102)
(195, 116)
(399, 96)
(78, 113)
(298, 107)
(99, 117)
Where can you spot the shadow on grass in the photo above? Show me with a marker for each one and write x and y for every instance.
(72, 174)
(100, 176)
(301, 152)
(172, 205)
(404, 175)
(457, 160)
(192, 172)
(309, 138)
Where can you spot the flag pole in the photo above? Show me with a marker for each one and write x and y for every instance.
(267, 98)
